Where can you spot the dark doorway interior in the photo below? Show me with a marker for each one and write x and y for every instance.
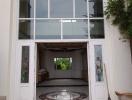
(61, 66)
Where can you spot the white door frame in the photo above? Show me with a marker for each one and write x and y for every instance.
(98, 89)
(33, 44)
(24, 91)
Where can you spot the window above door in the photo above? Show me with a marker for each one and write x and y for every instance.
(61, 19)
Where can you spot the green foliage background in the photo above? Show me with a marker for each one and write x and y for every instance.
(121, 11)
(63, 64)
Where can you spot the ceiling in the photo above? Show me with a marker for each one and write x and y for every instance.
(62, 46)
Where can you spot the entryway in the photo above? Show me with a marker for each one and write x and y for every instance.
(62, 71)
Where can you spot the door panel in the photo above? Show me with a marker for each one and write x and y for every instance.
(98, 81)
(25, 71)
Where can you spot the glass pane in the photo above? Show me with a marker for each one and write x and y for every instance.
(26, 29)
(48, 29)
(75, 29)
(26, 8)
(41, 8)
(61, 8)
(96, 8)
(25, 65)
(97, 28)
(81, 8)
(98, 63)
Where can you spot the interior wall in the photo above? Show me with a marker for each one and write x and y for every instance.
(47, 60)
(85, 65)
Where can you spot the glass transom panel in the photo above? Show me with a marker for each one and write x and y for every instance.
(61, 19)
(81, 8)
(61, 8)
(26, 29)
(75, 29)
(48, 29)
(41, 8)
(26, 9)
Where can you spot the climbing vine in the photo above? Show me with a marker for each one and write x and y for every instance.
(121, 13)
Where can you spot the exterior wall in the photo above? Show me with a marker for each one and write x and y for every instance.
(4, 46)
(118, 61)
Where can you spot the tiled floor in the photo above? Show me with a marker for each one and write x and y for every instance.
(43, 90)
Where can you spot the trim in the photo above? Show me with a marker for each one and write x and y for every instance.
(60, 18)
(65, 78)
(74, 9)
(61, 30)
(64, 40)
(62, 86)
(48, 8)
(34, 21)
(35, 70)
(89, 70)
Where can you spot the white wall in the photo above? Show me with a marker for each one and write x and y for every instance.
(118, 61)
(4, 46)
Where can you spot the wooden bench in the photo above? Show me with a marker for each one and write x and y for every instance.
(124, 95)
(2, 98)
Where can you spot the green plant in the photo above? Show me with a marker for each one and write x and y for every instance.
(121, 13)
(63, 64)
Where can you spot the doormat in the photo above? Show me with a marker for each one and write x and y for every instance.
(63, 95)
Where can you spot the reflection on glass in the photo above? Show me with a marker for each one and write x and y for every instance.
(48, 29)
(98, 63)
(26, 29)
(75, 29)
(26, 8)
(25, 65)
(41, 8)
(61, 8)
(97, 28)
(81, 8)
(96, 8)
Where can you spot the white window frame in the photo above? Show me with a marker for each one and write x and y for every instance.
(49, 17)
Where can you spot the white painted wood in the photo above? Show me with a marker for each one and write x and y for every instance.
(98, 89)
(89, 75)
(25, 91)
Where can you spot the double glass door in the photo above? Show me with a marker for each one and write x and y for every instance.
(25, 71)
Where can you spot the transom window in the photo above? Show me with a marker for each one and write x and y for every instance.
(61, 19)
